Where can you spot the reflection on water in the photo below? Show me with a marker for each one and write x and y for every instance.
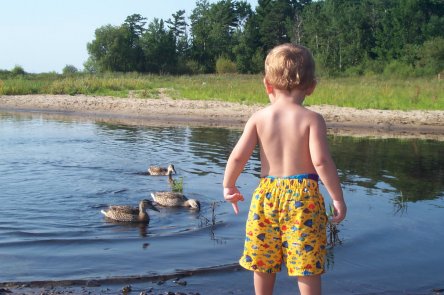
(56, 176)
(414, 168)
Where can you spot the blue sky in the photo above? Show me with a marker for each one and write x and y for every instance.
(47, 35)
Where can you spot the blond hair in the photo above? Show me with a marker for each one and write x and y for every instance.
(289, 66)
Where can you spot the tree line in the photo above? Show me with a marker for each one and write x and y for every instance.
(347, 37)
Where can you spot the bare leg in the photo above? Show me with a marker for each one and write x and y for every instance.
(264, 283)
(310, 285)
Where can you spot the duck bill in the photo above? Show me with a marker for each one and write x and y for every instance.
(150, 205)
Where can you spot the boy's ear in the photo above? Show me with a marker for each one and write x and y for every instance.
(268, 87)
(311, 88)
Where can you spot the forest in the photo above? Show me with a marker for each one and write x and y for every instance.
(403, 38)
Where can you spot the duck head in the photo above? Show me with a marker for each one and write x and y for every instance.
(195, 204)
(148, 204)
(170, 169)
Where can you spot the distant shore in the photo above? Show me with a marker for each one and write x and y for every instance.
(167, 111)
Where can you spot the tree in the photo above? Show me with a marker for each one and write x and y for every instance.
(249, 48)
(158, 46)
(350, 31)
(341, 33)
(274, 19)
(178, 25)
(136, 24)
(200, 30)
(216, 29)
(345, 36)
(389, 32)
(223, 21)
(112, 50)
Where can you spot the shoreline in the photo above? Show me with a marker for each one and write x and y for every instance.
(195, 281)
(165, 111)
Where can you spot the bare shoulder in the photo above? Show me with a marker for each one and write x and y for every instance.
(316, 124)
(259, 115)
(314, 117)
(263, 112)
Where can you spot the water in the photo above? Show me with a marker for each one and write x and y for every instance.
(56, 174)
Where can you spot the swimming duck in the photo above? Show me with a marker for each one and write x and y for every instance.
(126, 213)
(174, 199)
(157, 170)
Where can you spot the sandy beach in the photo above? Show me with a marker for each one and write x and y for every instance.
(167, 111)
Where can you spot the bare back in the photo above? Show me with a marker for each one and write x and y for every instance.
(292, 139)
(283, 131)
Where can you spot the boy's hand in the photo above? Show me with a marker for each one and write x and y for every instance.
(232, 195)
(340, 210)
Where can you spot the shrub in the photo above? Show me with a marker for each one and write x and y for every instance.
(257, 62)
(5, 74)
(225, 66)
(18, 70)
(354, 71)
(193, 67)
(399, 70)
(69, 70)
(432, 56)
(372, 67)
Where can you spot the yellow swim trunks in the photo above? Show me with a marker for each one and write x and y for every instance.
(286, 223)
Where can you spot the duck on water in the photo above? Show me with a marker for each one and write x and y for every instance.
(125, 213)
(174, 199)
(158, 170)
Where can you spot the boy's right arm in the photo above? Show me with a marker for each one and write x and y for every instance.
(236, 163)
(233, 195)
(325, 167)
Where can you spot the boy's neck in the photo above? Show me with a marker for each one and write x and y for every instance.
(294, 97)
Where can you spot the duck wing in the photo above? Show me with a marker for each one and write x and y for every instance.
(156, 170)
(123, 213)
(124, 209)
(169, 198)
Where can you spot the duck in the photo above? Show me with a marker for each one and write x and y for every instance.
(126, 213)
(174, 199)
(157, 170)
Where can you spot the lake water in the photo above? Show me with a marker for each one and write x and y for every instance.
(57, 174)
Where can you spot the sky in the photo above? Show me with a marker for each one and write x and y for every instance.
(46, 35)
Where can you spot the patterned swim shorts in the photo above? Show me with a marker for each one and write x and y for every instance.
(286, 223)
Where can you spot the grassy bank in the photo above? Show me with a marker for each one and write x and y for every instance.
(358, 92)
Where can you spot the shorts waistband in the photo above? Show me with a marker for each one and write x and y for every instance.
(311, 176)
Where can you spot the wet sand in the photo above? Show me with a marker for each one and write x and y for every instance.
(191, 282)
(167, 111)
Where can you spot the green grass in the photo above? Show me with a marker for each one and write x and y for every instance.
(357, 92)
(177, 185)
(392, 94)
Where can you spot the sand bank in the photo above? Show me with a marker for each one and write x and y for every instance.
(167, 111)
